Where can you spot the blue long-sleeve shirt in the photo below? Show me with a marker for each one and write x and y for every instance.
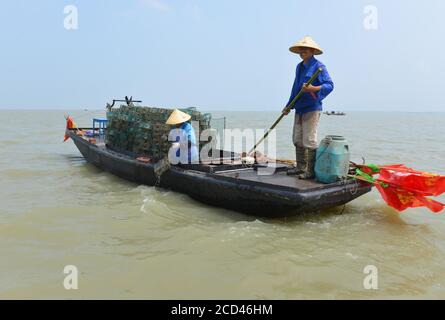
(188, 135)
(311, 101)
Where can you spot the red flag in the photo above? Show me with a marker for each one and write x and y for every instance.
(427, 184)
(402, 187)
(70, 124)
(401, 199)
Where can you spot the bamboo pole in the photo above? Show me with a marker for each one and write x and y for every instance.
(286, 110)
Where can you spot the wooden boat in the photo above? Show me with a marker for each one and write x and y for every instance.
(232, 186)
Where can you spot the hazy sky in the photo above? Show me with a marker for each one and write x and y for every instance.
(220, 54)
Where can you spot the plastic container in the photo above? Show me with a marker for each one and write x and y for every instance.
(332, 162)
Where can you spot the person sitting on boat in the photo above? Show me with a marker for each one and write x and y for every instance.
(309, 107)
(184, 149)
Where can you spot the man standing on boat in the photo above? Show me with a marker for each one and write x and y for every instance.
(184, 150)
(309, 107)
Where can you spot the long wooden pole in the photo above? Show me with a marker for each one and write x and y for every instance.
(286, 110)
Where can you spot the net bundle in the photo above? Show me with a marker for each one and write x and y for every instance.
(142, 130)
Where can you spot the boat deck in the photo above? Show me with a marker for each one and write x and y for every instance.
(279, 178)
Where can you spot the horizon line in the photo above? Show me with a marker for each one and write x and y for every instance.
(223, 110)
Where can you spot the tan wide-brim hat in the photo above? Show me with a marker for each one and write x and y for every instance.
(178, 117)
(306, 42)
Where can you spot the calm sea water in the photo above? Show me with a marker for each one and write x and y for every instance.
(131, 241)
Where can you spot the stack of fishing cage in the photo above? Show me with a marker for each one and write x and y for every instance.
(142, 130)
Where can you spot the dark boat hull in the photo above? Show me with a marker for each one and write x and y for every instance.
(258, 199)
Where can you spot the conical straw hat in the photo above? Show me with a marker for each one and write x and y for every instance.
(178, 117)
(306, 42)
